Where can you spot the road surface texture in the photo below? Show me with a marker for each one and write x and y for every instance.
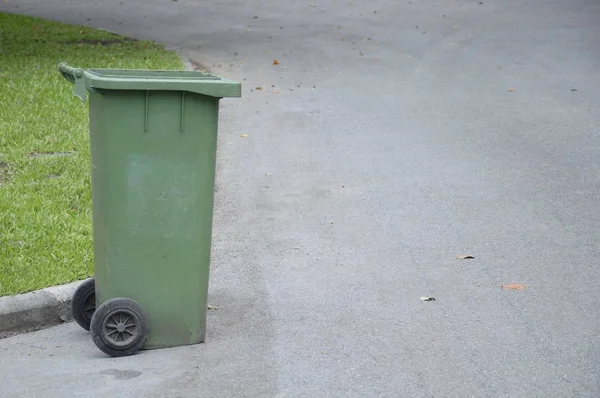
(391, 137)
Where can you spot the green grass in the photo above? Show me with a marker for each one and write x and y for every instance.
(45, 201)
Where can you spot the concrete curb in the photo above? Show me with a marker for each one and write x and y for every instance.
(187, 63)
(36, 310)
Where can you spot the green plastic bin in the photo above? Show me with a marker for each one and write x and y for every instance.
(153, 147)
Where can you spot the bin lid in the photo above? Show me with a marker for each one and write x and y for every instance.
(141, 79)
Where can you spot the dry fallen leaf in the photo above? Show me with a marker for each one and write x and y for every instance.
(427, 299)
(259, 88)
(464, 256)
(244, 135)
(510, 90)
(513, 286)
(275, 62)
(275, 91)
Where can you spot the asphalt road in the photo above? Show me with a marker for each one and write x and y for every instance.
(392, 137)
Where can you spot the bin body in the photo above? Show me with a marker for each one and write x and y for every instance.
(153, 176)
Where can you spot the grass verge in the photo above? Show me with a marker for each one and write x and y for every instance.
(45, 196)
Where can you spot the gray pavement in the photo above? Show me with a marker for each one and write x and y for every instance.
(401, 146)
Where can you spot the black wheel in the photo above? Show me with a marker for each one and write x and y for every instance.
(120, 327)
(83, 304)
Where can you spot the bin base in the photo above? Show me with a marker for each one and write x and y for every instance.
(149, 347)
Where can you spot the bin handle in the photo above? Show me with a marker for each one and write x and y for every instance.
(75, 76)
